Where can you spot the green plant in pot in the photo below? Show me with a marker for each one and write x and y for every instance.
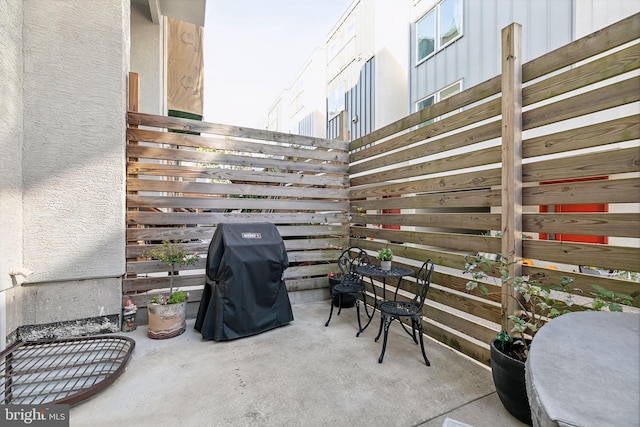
(385, 255)
(167, 312)
(536, 305)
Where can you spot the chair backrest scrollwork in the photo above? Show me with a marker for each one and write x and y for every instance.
(423, 282)
(349, 261)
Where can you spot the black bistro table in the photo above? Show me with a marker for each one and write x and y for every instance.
(374, 271)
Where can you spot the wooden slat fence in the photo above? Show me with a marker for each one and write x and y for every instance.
(565, 127)
(558, 125)
(185, 177)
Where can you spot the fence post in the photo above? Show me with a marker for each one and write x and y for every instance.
(511, 161)
(133, 106)
(344, 126)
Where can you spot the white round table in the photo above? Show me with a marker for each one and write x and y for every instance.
(583, 369)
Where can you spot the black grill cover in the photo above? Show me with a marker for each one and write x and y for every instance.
(244, 292)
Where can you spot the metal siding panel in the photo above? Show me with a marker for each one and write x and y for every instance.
(363, 98)
(486, 43)
(536, 34)
(560, 18)
(354, 110)
(372, 104)
(475, 57)
(372, 96)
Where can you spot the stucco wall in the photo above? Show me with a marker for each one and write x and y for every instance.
(74, 126)
(11, 158)
(72, 112)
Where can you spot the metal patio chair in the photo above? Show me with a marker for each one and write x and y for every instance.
(390, 310)
(351, 282)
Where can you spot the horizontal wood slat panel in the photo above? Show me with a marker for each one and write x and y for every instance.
(597, 191)
(448, 336)
(228, 145)
(157, 233)
(309, 255)
(472, 115)
(155, 266)
(463, 181)
(610, 96)
(582, 284)
(167, 218)
(582, 166)
(176, 123)
(235, 189)
(613, 65)
(435, 146)
(466, 326)
(444, 200)
(134, 251)
(592, 224)
(460, 161)
(226, 203)
(466, 242)
(483, 90)
(145, 284)
(472, 221)
(194, 172)
(616, 257)
(483, 309)
(192, 156)
(607, 38)
(619, 130)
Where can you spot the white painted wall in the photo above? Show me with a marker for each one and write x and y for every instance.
(11, 138)
(64, 82)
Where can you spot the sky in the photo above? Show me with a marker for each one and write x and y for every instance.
(253, 49)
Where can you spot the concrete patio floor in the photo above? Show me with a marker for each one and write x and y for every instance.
(301, 374)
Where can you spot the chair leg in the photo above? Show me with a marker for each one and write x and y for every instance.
(424, 355)
(413, 329)
(339, 304)
(358, 316)
(387, 322)
(380, 330)
(330, 312)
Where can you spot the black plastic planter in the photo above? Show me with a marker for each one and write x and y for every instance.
(348, 301)
(508, 377)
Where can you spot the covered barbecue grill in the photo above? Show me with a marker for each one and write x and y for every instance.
(244, 293)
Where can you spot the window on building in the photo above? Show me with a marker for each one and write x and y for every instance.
(441, 95)
(335, 101)
(426, 33)
(439, 27)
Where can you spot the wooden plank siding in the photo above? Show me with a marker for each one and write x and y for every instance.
(446, 178)
(180, 186)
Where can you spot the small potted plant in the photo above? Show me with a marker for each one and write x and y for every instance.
(385, 255)
(167, 312)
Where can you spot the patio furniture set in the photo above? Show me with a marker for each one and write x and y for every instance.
(355, 264)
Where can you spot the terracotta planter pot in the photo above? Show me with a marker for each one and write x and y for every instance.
(508, 377)
(166, 321)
